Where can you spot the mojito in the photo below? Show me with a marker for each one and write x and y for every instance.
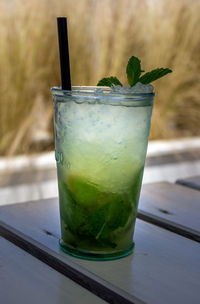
(101, 138)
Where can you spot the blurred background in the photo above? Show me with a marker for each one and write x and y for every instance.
(103, 35)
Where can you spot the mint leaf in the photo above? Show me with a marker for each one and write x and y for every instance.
(73, 215)
(109, 81)
(117, 216)
(153, 75)
(95, 222)
(133, 70)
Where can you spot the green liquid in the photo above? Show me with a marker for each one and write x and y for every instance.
(97, 224)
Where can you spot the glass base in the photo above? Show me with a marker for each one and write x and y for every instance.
(95, 256)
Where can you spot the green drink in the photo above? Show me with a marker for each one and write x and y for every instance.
(101, 138)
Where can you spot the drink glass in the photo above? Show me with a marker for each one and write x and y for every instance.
(101, 141)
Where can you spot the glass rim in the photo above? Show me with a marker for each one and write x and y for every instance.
(101, 94)
(97, 90)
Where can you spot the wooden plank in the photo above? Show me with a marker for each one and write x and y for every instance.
(25, 279)
(26, 177)
(163, 269)
(98, 286)
(191, 182)
(175, 157)
(169, 225)
(172, 207)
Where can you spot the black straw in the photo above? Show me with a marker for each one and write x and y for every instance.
(64, 53)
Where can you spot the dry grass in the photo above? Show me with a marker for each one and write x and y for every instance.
(103, 35)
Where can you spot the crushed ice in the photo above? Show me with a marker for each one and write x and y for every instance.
(137, 88)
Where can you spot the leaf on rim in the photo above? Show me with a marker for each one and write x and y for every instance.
(154, 75)
(133, 70)
(109, 81)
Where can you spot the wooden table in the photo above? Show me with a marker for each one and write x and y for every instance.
(165, 266)
(192, 182)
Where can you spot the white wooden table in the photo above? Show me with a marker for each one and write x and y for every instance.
(164, 268)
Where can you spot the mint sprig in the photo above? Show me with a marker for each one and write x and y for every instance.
(109, 81)
(154, 75)
(133, 71)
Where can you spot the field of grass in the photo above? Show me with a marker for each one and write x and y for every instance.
(103, 35)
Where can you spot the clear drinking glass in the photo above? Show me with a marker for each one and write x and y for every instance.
(101, 141)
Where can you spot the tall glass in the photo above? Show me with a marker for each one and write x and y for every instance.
(101, 141)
